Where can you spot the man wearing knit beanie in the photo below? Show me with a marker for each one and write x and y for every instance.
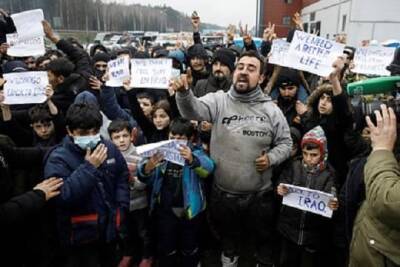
(100, 61)
(223, 64)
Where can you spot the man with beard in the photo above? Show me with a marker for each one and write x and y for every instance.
(288, 85)
(221, 76)
(249, 136)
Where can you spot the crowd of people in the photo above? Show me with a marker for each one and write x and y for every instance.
(75, 192)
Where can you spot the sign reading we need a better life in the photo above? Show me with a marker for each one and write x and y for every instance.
(312, 53)
(309, 200)
(373, 60)
(25, 87)
(151, 73)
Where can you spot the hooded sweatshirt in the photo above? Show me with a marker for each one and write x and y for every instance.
(244, 125)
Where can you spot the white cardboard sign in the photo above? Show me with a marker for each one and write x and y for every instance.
(309, 200)
(314, 54)
(279, 52)
(29, 23)
(25, 87)
(25, 48)
(151, 73)
(169, 148)
(373, 60)
(118, 70)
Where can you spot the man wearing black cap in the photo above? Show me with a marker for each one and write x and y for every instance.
(223, 65)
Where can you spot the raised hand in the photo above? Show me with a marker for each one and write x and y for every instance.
(298, 22)
(269, 33)
(384, 134)
(282, 190)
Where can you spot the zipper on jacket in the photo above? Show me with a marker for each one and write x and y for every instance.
(303, 215)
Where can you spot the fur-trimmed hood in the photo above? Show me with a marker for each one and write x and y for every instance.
(313, 99)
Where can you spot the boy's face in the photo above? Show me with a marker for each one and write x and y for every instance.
(311, 157)
(82, 132)
(161, 119)
(43, 129)
(121, 139)
(178, 137)
(145, 105)
(325, 105)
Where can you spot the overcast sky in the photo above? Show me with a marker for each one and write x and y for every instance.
(221, 12)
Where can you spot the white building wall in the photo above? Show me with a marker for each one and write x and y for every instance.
(365, 19)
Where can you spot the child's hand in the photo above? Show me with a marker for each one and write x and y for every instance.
(282, 190)
(333, 204)
(186, 153)
(153, 162)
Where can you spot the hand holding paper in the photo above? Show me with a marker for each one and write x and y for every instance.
(186, 153)
(153, 162)
(282, 190)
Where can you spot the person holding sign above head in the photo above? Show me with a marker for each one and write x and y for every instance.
(177, 198)
(68, 76)
(303, 232)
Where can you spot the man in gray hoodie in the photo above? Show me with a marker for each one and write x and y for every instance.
(250, 135)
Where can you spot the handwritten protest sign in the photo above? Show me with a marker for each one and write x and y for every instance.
(311, 53)
(309, 200)
(24, 48)
(151, 73)
(25, 87)
(373, 60)
(169, 148)
(118, 70)
(29, 24)
(279, 52)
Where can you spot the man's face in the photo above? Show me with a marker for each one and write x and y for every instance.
(43, 129)
(30, 62)
(220, 71)
(161, 119)
(311, 157)
(325, 105)
(121, 139)
(146, 106)
(100, 66)
(197, 64)
(54, 80)
(288, 92)
(247, 74)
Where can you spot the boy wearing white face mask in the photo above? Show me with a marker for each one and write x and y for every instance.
(95, 194)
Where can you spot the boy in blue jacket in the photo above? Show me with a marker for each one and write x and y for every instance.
(177, 198)
(95, 192)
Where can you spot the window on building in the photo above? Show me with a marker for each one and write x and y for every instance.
(312, 16)
(315, 28)
(288, 1)
(305, 27)
(286, 20)
(344, 19)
